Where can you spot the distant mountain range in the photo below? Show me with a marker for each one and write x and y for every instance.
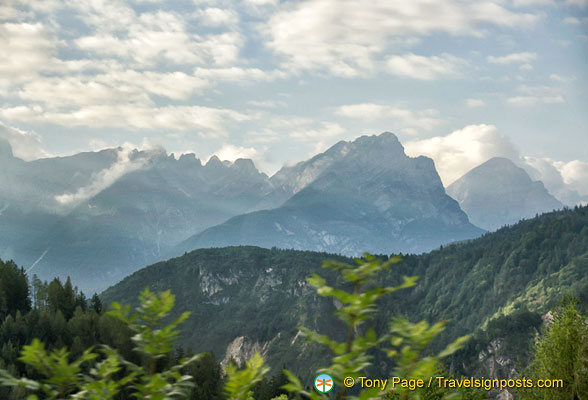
(98, 216)
(367, 195)
(100, 234)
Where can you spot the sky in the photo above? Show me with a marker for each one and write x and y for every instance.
(279, 81)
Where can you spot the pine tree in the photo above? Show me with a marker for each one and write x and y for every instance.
(96, 304)
(562, 353)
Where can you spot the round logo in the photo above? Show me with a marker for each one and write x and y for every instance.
(323, 383)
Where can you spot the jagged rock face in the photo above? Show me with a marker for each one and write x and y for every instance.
(495, 365)
(499, 193)
(366, 195)
(241, 350)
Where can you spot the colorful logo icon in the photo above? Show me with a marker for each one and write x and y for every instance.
(323, 383)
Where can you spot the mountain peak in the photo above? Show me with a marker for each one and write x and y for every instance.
(214, 161)
(387, 138)
(244, 164)
(499, 162)
(383, 146)
(498, 193)
(502, 171)
(189, 158)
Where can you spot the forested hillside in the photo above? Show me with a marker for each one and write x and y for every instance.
(247, 299)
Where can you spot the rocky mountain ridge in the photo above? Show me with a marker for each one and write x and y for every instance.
(365, 195)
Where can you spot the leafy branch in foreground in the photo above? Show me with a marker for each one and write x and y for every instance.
(240, 383)
(96, 375)
(405, 340)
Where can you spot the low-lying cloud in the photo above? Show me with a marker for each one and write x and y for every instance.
(103, 179)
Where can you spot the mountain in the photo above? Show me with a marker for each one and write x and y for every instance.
(99, 216)
(365, 195)
(497, 287)
(499, 193)
(34, 185)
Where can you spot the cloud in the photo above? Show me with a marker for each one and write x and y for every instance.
(25, 145)
(533, 95)
(347, 37)
(562, 79)
(568, 181)
(473, 103)
(267, 103)
(230, 152)
(211, 121)
(103, 179)
(162, 38)
(213, 16)
(572, 21)
(404, 119)
(262, 2)
(577, 3)
(462, 150)
(532, 3)
(114, 87)
(156, 38)
(513, 58)
(237, 74)
(424, 68)
(25, 50)
(322, 137)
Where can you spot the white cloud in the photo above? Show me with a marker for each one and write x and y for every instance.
(473, 103)
(534, 100)
(237, 74)
(562, 79)
(462, 150)
(327, 130)
(214, 16)
(526, 67)
(424, 68)
(400, 118)
(115, 87)
(575, 174)
(346, 37)
(322, 137)
(206, 120)
(568, 181)
(267, 103)
(103, 179)
(513, 58)
(25, 145)
(533, 95)
(230, 152)
(155, 38)
(25, 50)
